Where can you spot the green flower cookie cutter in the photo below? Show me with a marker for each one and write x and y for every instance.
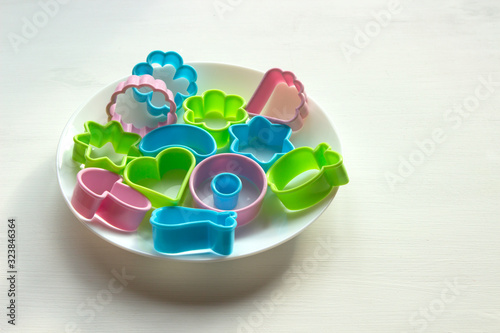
(330, 173)
(162, 179)
(96, 136)
(215, 111)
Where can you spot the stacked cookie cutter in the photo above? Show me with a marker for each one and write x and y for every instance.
(163, 115)
(182, 71)
(221, 158)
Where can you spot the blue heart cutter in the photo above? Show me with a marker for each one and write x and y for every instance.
(180, 230)
(181, 71)
(261, 140)
(193, 138)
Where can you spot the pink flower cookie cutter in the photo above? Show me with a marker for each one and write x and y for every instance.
(100, 194)
(270, 101)
(163, 115)
(252, 176)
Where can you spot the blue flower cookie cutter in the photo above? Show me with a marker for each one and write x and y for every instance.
(179, 230)
(193, 138)
(163, 59)
(261, 140)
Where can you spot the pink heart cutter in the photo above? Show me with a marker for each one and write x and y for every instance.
(244, 168)
(135, 81)
(101, 194)
(262, 95)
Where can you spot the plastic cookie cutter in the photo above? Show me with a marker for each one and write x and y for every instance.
(261, 140)
(101, 194)
(162, 179)
(280, 97)
(330, 172)
(226, 188)
(180, 230)
(132, 115)
(214, 111)
(195, 139)
(253, 180)
(165, 62)
(92, 148)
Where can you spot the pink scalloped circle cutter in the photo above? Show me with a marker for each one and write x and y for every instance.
(148, 117)
(280, 97)
(252, 176)
(100, 194)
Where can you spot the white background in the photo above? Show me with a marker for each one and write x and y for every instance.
(393, 247)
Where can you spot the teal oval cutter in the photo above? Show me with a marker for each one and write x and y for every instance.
(182, 71)
(261, 140)
(193, 138)
(330, 172)
(178, 230)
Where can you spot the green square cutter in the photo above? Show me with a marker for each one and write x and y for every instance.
(331, 173)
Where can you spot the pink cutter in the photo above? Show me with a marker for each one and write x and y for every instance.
(135, 81)
(101, 194)
(244, 168)
(264, 93)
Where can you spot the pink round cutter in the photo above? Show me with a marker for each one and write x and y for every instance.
(251, 174)
(143, 81)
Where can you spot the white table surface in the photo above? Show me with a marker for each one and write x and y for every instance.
(412, 244)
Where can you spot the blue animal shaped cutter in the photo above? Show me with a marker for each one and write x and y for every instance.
(179, 230)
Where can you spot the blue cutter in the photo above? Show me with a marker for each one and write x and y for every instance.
(179, 230)
(181, 71)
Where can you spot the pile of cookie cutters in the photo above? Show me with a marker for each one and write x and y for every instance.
(143, 165)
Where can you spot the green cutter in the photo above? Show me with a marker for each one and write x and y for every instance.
(155, 177)
(331, 173)
(215, 107)
(97, 135)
